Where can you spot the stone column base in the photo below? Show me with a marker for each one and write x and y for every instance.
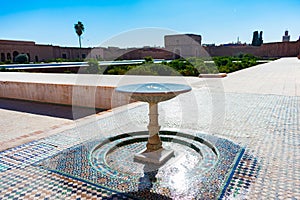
(156, 157)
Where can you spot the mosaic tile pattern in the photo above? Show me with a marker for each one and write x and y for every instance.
(75, 162)
(30, 153)
(277, 150)
(61, 141)
(188, 152)
(35, 183)
(268, 126)
(245, 174)
(8, 163)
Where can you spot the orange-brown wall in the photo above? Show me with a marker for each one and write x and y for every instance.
(41, 52)
(268, 50)
(46, 52)
(156, 53)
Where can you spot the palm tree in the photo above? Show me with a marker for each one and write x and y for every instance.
(79, 28)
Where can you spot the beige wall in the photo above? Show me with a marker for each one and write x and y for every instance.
(66, 94)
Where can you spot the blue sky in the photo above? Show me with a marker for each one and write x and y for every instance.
(218, 21)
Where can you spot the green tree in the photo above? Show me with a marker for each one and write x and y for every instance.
(22, 58)
(148, 59)
(93, 67)
(79, 28)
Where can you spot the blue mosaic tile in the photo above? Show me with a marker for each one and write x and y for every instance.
(35, 183)
(242, 176)
(76, 162)
(8, 163)
(30, 153)
(61, 141)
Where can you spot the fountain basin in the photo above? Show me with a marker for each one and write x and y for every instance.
(153, 93)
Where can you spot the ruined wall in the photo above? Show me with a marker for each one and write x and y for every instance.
(70, 52)
(113, 53)
(156, 53)
(280, 49)
(267, 50)
(176, 46)
(184, 45)
(10, 48)
(42, 53)
(231, 50)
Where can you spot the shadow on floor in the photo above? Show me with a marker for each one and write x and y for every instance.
(51, 110)
(147, 195)
(146, 183)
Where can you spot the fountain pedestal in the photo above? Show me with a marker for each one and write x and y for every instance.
(154, 142)
(154, 152)
(153, 93)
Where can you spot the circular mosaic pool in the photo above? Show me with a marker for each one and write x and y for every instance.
(116, 154)
(201, 166)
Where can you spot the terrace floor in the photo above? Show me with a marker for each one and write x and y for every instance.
(251, 117)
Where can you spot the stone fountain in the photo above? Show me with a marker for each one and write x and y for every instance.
(153, 93)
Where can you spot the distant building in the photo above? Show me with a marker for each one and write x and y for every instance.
(257, 39)
(9, 49)
(184, 45)
(176, 46)
(286, 37)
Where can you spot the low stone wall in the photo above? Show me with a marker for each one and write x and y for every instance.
(102, 97)
(88, 90)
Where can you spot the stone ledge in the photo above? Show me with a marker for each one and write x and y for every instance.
(85, 90)
(103, 97)
(220, 75)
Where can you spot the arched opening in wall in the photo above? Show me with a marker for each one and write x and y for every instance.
(15, 53)
(8, 56)
(177, 54)
(36, 59)
(28, 57)
(2, 57)
(197, 53)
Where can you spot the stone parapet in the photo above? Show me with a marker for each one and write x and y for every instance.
(95, 96)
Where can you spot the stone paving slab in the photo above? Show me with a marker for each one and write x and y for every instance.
(24, 121)
(19, 117)
(279, 77)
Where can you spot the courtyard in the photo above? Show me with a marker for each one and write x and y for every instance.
(245, 126)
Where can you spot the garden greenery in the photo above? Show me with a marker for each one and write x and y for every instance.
(186, 67)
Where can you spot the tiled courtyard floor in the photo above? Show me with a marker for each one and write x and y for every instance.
(265, 124)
